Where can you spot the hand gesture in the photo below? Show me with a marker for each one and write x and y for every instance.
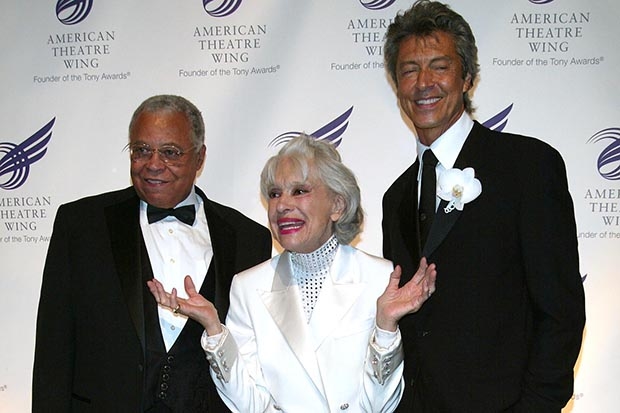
(396, 302)
(195, 306)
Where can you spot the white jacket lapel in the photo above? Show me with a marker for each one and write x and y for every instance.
(283, 303)
(341, 290)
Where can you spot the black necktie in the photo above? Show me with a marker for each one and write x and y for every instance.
(185, 214)
(428, 194)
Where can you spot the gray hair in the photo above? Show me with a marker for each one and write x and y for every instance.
(306, 151)
(423, 19)
(173, 103)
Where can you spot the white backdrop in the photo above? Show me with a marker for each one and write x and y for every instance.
(72, 73)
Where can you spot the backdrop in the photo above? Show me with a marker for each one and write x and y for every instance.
(72, 72)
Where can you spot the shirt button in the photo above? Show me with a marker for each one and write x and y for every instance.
(170, 231)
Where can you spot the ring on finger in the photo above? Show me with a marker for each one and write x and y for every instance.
(176, 309)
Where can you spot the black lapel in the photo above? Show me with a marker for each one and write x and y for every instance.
(123, 221)
(442, 224)
(223, 265)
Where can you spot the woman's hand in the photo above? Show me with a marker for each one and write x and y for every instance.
(397, 302)
(195, 306)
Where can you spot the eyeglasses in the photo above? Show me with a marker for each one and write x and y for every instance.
(169, 154)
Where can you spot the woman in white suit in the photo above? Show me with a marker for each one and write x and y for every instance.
(309, 330)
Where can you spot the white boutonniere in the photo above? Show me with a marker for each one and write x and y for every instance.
(458, 187)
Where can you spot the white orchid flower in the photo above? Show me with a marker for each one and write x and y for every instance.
(458, 187)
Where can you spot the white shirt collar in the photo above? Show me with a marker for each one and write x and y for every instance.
(448, 146)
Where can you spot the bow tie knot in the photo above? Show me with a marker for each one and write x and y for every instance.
(185, 214)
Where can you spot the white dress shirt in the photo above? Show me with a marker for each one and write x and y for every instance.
(176, 250)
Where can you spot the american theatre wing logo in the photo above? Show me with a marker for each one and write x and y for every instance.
(70, 12)
(608, 161)
(16, 159)
(220, 8)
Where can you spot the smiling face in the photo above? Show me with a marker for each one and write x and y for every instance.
(161, 184)
(431, 84)
(301, 212)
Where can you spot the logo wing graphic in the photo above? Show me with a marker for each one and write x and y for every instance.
(331, 132)
(224, 8)
(608, 162)
(377, 4)
(499, 121)
(71, 12)
(16, 161)
(541, 1)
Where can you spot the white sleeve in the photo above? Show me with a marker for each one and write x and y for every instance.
(235, 368)
(383, 372)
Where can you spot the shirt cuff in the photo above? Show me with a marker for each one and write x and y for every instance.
(384, 339)
(210, 343)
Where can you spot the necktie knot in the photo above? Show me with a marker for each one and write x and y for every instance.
(185, 214)
(429, 159)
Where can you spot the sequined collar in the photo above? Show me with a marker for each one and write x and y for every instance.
(314, 263)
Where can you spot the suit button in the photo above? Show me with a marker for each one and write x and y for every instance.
(170, 359)
(422, 216)
(163, 386)
(166, 368)
(162, 395)
(165, 377)
(421, 334)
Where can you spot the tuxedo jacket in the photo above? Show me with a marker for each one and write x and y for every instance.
(92, 324)
(278, 362)
(503, 329)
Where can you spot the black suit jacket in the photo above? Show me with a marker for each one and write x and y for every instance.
(503, 329)
(90, 343)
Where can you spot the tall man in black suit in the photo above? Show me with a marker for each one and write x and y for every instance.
(102, 344)
(503, 330)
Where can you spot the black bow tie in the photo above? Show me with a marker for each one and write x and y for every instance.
(185, 214)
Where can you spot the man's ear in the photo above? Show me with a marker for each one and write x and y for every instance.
(202, 154)
(467, 85)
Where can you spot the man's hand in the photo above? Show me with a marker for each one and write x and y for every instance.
(195, 306)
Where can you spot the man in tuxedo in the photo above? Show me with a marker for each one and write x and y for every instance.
(102, 343)
(503, 330)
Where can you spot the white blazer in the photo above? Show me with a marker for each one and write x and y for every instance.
(271, 360)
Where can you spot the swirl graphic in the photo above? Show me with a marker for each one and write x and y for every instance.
(541, 1)
(608, 162)
(221, 8)
(71, 12)
(331, 132)
(377, 4)
(499, 121)
(16, 159)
